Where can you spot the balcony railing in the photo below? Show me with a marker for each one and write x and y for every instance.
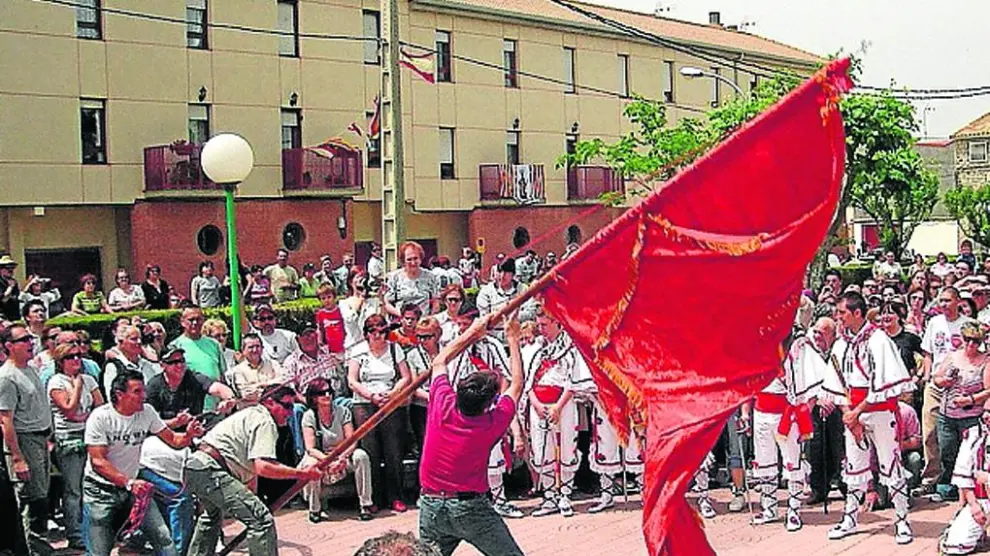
(587, 183)
(522, 183)
(320, 168)
(175, 167)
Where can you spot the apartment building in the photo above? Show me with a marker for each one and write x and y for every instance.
(104, 106)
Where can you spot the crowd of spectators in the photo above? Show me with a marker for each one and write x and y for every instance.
(372, 334)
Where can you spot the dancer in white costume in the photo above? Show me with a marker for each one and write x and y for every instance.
(609, 458)
(782, 418)
(488, 354)
(971, 475)
(556, 372)
(871, 378)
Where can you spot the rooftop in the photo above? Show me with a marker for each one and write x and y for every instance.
(979, 126)
(668, 28)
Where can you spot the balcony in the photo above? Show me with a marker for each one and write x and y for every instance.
(523, 184)
(175, 167)
(587, 183)
(326, 167)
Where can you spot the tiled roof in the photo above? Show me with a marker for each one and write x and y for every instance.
(979, 126)
(665, 27)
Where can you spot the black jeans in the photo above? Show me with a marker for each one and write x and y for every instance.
(386, 442)
(826, 451)
(417, 416)
(13, 541)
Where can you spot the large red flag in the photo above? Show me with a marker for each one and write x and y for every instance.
(681, 304)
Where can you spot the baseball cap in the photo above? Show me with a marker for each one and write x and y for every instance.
(262, 309)
(170, 352)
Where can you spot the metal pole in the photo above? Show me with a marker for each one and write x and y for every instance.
(393, 161)
(236, 309)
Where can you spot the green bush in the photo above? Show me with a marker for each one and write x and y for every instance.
(855, 273)
(292, 315)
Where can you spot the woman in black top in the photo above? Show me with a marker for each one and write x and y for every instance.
(155, 289)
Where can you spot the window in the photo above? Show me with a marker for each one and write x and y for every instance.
(196, 24)
(574, 234)
(569, 86)
(978, 152)
(520, 237)
(209, 239)
(716, 87)
(288, 26)
(446, 150)
(372, 30)
(291, 130)
(509, 67)
(624, 75)
(512, 147)
(293, 236)
(93, 133)
(89, 16)
(668, 81)
(443, 57)
(199, 123)
(374, 146)
(570, 145)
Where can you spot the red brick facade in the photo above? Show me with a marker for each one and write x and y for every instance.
(547, 227)
(164, 232)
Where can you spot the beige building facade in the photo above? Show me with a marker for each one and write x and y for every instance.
(103, 106)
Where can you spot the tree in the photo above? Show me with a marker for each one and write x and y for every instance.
(886, 177)
(971, 206)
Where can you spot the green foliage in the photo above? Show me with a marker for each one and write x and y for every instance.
(886, 177)
(971, 206)
(653, 151)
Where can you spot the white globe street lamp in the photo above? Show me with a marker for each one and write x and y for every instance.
(227, 159)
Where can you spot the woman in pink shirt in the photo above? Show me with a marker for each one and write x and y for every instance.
(963, 374)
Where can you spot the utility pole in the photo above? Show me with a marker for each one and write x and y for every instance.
(393, 165)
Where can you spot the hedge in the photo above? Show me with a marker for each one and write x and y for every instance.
(292, 315)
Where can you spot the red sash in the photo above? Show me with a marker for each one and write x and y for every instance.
(777, 404)
(546, 394)
(857, 395)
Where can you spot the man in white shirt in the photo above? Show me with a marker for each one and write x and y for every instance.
(376, 266)
(942, 336)
(494, 295)
(114, 435)
(279, 343)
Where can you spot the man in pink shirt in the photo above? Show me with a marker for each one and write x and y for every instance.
(461, 429)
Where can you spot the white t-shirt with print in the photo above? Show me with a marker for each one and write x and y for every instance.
(63, 425)
(377, 373)
(123, 435)
(943, 337)
(279, 345)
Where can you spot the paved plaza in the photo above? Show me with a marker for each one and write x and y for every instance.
(619, 532)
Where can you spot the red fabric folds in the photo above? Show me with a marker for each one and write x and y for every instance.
(680, 305)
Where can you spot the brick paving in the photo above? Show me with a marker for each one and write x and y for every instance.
(619, 532)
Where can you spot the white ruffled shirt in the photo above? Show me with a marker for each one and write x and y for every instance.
(869, 360)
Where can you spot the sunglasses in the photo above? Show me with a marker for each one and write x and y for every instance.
(377, 330)
(73, 357)
(52, 337)
(174, 361)
(20, 340)
(454, 300)
(269, 318)
(425, 337)
(320, 393)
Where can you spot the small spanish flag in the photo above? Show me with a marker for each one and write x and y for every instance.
(419, 61)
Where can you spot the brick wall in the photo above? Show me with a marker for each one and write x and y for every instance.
(547, 227)
(164, 232)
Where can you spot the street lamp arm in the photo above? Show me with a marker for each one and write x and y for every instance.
(691, 72)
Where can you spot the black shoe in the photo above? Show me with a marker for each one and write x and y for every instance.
(365, 514)
(315, 517)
